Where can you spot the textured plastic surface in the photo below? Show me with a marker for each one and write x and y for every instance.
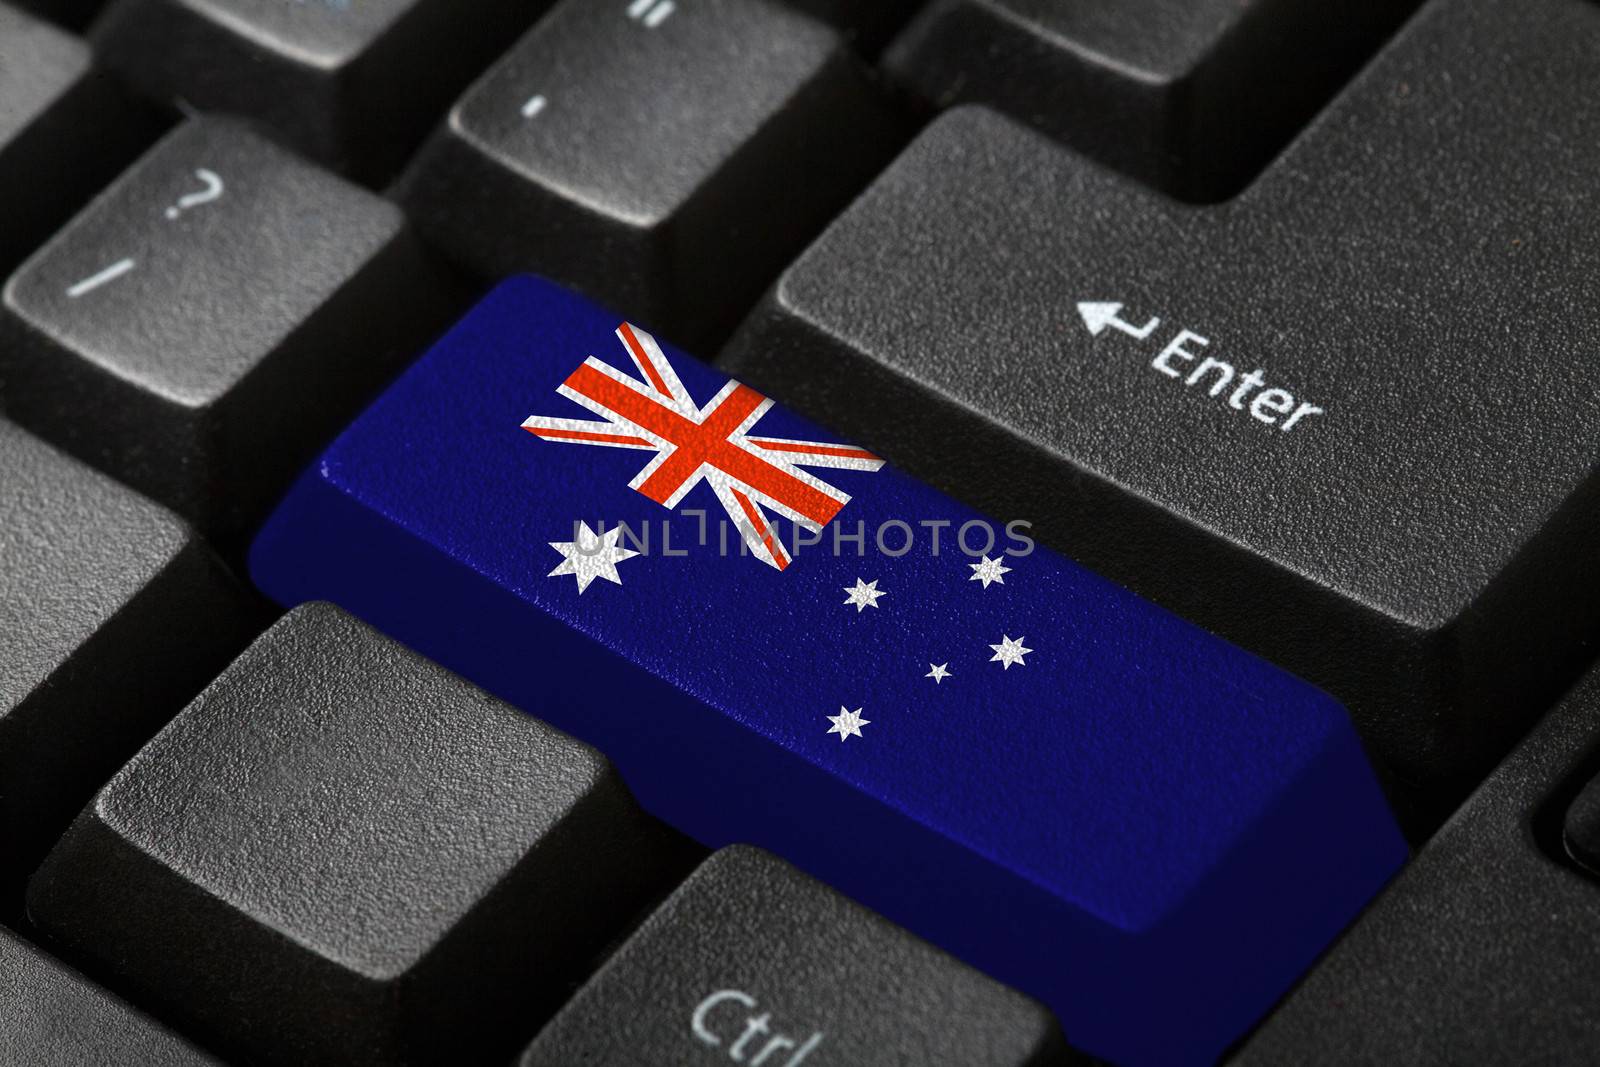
(1137, 822)
(64, 131)
(671, 168)
(1193, 96)
(1484, 950)
(41, 64)
(260, 301)
(112, 616)
(748, 938)
(1417, 266)
(351, 84)
(866, 24)
(1580, 828)
(50, 1016)
(413, 869)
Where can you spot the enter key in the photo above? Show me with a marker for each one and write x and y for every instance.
(1347, 421)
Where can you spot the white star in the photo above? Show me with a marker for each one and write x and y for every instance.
(591, 556)
(863, 595)
(1009, 652)
(847, 723)
(939, 672)
(988, 572)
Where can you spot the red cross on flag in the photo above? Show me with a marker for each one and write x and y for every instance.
(750, 475)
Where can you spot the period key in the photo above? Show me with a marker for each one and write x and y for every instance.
(780, 641)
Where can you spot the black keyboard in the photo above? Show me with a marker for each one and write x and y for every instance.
(1145, 615)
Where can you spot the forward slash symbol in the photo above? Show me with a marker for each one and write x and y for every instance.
(95, 281)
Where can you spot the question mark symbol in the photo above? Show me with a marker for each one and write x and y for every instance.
(212, 191)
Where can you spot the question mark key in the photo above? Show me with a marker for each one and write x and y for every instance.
(211, 189)
(203, 363)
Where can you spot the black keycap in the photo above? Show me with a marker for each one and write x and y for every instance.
(665, 159)
(340, 853)
(751, 961)
(50, 1016)
(1347, 420)
(73, 13)
(201, 328)
(1484, 950)
(112, 616)
(64, 131)
(867, 25)
(1581, 828)
(1193, 96)
(353, 83)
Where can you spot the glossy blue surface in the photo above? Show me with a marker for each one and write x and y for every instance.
(1149, 829)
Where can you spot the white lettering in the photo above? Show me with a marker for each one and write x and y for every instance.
(1162, 362)
(697, 1022)
(755, 1026)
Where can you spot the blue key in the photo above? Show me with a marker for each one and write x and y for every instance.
(781, 641)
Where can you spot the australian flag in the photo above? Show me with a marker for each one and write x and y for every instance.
(781, 640)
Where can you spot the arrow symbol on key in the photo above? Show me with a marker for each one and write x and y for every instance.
(1098, 316)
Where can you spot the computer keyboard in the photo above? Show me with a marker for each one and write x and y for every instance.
(717, 933)
(395, 854)
(1342, 419)
(353, 83)
(113, 612)
(1192, 96)
(65, 130)
(736, 659)
(608, 153)
(1108, 635)
(167, 334)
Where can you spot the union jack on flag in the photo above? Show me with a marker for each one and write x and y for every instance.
(712, 443)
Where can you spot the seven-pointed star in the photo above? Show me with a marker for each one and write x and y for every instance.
(988, 572)
(591, 556)
(847, 723)
(1009, 652)
(863, 595)
(939, 673)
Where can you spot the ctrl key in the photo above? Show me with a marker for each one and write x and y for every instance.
(753, 962)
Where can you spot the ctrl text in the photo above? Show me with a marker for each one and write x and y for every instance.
(728, 1020)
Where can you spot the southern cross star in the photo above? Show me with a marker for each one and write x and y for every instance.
(847, 724)
(1008, 652)
(863, 595)
(989, 572)
(939, 673)
(591, 556)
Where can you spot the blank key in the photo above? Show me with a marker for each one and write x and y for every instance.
(50, 1016)
(342, 854)
(112, 615)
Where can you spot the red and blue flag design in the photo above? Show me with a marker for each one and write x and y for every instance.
(779, 640)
